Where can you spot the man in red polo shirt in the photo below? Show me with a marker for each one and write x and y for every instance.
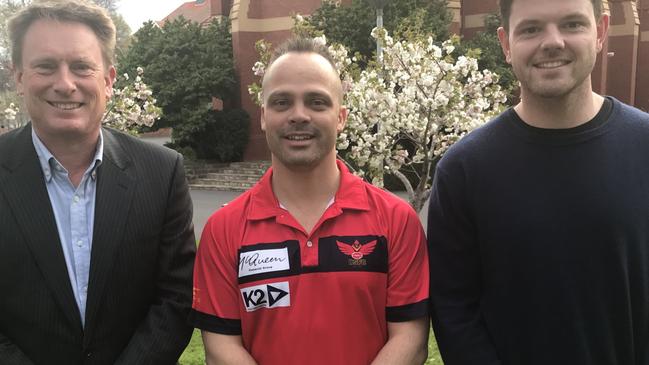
(312, 265)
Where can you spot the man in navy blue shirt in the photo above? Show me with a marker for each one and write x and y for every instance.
(538, 224)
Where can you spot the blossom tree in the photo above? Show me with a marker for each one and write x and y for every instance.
(405, 113)
(8, 117)
(132, 106)
(407, 109)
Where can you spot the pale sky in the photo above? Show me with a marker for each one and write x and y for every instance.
(136, 12)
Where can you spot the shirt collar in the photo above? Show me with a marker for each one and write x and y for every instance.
(48, 161)
(351, 194)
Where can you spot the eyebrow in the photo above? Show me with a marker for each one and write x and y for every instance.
(87, 60)
(307, 95)
(573, 16)
(280, 94)
(41, 60)
(312, 95)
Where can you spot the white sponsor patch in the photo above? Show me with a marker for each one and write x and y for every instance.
(261, 261)
(271, 295)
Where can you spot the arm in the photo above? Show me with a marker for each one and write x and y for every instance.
(225, 350)
(455, 276)
(407, 343)
(407, 291)
(11, 354)
(215, 308)
(164, 333)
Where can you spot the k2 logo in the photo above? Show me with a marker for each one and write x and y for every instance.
(266, 296)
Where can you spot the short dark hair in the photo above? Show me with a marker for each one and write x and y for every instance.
(74, 11)
(506, 11)
(302, 45)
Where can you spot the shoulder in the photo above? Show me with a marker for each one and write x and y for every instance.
(7, 139)
(16, 145)
(388, 204)
(148, 159)
(477, 143)
(137, 148)
(229, 216)
(629, 115)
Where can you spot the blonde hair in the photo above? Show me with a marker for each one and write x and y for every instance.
(72, 11)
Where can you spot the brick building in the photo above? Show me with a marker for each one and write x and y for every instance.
(618, 71)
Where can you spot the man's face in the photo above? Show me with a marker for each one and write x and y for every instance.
(64, 80)
(302, 112)
(552, 45)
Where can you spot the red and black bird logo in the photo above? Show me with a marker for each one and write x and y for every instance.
(356, 250)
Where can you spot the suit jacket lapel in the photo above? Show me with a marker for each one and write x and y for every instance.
(27, 196)
(115, 188)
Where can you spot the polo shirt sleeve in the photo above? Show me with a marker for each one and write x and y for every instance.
(215, 306)
(408, 278)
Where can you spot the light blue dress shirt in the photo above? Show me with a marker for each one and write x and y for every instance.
(74, 211)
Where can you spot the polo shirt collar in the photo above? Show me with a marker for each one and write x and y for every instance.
(351, 194)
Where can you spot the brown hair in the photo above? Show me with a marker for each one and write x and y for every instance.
(302, 45)
(79, 11)
(506, 11)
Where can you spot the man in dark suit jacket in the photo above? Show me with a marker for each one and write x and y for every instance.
(96, 235)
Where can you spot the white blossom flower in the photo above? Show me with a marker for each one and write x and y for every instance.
(131, 106)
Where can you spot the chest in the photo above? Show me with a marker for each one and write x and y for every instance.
(581, 206)
(348, 254)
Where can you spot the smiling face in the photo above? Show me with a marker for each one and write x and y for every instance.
(552, 46)
(64, 80)
(302, 112)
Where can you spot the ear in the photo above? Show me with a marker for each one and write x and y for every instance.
(18, 78)
(263, 118)
(342, 119)
(503, 37)
(602, 30)
(109, 78)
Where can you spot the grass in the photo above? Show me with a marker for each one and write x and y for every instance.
(194, 355)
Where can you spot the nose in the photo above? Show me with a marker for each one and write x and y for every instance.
(552, 39)
(299, 113)
(65, 81)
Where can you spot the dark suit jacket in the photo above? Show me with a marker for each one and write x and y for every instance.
(142, 256)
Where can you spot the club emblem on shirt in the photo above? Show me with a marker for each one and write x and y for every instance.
(356, 251)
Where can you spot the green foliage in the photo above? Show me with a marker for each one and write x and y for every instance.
(214, 135)
(490, 53)
(351, 25)
(186, 65)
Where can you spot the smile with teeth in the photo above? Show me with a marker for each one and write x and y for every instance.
(65, 106)
(299, 137)
(552, 64)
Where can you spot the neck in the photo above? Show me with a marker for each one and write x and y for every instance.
(73, 153)
(559, 113)
(305, 187)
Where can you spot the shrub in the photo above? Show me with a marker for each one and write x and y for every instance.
(213, 135)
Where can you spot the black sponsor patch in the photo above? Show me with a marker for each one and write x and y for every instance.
(352, 253)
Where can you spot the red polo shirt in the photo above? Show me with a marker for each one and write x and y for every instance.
(318, 298)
